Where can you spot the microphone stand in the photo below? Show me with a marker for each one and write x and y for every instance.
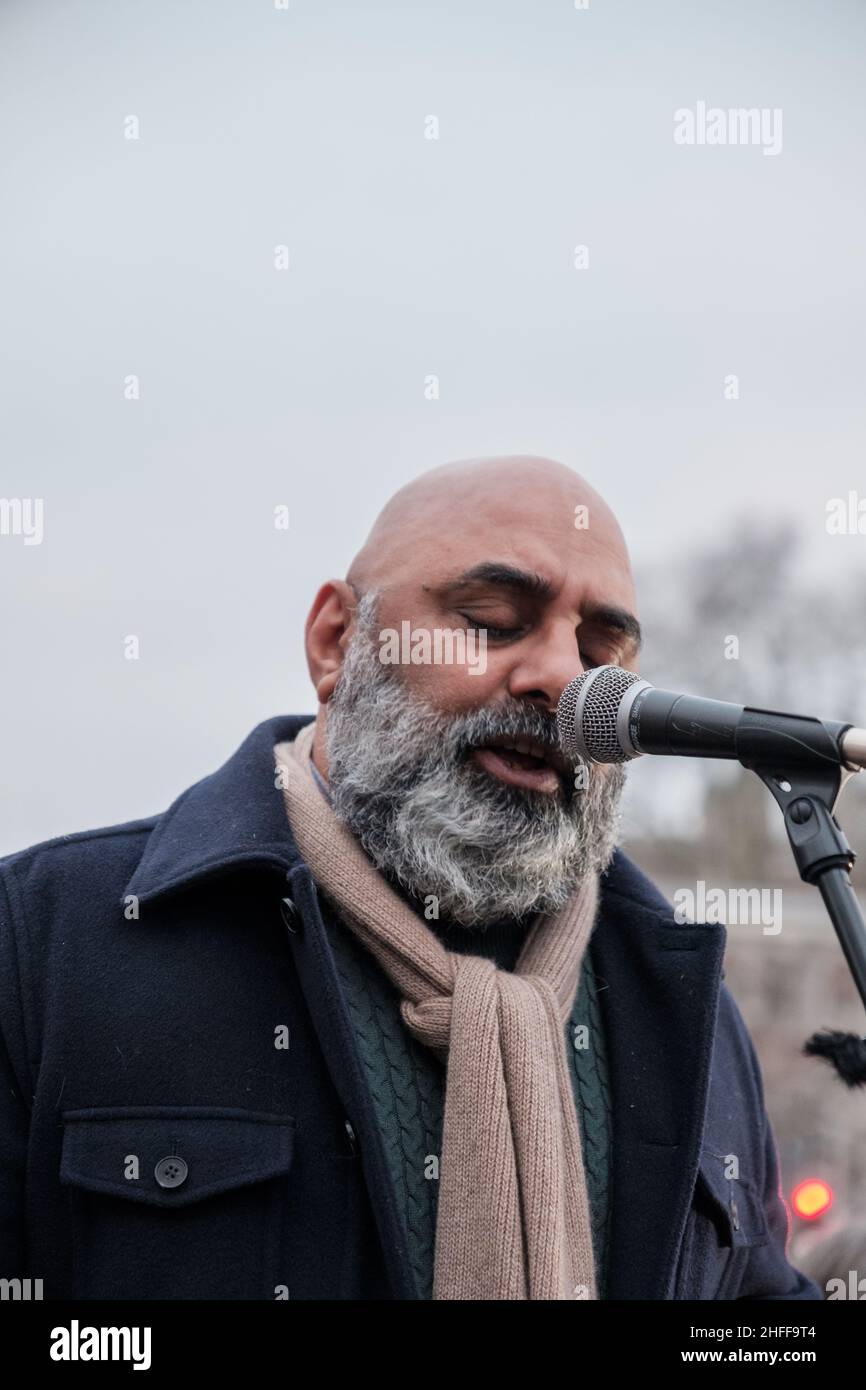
(807, 796)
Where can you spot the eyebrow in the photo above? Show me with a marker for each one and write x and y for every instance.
(536, 586)
(508, 576)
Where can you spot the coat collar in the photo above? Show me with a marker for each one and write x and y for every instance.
(236, 816)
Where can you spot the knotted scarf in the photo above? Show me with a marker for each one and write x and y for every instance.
(513, 1217)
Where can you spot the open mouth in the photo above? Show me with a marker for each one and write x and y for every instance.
(522, 762)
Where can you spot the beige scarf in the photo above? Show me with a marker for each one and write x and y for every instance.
(513, 1216)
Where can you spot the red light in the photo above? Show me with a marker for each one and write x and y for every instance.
(811, 1198)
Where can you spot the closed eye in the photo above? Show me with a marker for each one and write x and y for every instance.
(496, 634)
(511, 634)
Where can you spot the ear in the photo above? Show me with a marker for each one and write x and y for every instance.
(325, 633)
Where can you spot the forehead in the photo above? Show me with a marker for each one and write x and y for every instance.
(579, 563)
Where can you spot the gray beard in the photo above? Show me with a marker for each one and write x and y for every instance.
(435, 823)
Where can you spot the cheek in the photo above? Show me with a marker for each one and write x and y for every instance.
(455, 688)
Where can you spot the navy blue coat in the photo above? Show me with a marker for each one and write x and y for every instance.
(156, 1143)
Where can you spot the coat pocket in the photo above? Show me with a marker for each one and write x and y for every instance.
(176, 1202)
(727, 1218)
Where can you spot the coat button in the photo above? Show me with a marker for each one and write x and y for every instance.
(171, 1172)
(291, 914)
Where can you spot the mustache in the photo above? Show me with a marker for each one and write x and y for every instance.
(511, 721)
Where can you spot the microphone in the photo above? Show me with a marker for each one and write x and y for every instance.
(609, 715)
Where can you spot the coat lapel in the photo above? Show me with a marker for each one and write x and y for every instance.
(332, 1022)
(659, 993)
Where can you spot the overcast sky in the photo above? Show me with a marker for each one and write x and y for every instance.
(407, 257)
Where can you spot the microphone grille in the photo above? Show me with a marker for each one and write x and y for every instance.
(587, 714)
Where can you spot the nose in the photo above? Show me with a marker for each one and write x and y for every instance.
(545, 668)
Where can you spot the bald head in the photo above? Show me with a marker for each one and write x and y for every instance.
(454, 506)
(519, 552)
(482, 590)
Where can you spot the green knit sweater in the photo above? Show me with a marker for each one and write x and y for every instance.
(407, 1083)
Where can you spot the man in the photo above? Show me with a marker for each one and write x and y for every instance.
(378, 1010)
